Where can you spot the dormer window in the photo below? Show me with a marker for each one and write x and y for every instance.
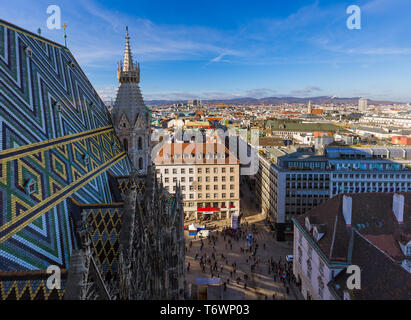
(315, 233)
(318, 232)
(30, 186)
(29, 52)
(307, 224)
(86, 159)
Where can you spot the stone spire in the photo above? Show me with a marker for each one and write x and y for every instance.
(126, 70)
(131, 117)
(128, 58)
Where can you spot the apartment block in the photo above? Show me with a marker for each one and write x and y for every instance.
(290, 181)
(208, 176)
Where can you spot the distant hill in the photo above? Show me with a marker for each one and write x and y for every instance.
(279, 100)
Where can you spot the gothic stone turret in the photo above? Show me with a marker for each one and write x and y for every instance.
(131, 118)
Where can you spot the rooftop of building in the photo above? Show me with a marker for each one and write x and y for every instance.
(194, 153)
(371, 215)
(299, 126)
(381, 277)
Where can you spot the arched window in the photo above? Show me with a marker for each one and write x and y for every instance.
(140, 143)
(125, 144)
(140, 163)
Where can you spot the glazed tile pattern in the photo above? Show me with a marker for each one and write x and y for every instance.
(30, 285)
(55, 134)
(105, 232)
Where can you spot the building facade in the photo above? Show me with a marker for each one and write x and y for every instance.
(290, 182)
(207, 174)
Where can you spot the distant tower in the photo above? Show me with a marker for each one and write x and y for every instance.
(309, 107)
(362, 104)
(131, 118)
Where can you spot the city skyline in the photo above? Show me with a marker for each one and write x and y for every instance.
(241, 200)
(229, 50)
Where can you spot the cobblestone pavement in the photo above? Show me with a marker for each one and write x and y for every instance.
(260, 284)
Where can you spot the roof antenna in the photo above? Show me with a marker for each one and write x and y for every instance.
(64, 26)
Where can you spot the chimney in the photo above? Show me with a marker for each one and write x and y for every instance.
(347, 210)
(398, 207)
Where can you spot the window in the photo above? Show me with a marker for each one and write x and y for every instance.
(231, 195)
(223, 170)
(199, 179)
(207, 170)
(199, 170)
(166, 180)
(223, 195)
(300, 255)
(215, 179)
(231, 169)
(223, 187)
(200, 196)
(208, 179)
(191, 171)
(190, 179)
(309, 268)
(140, 163)
(223, 178)
(215, 170)
(408, 250)
(208, 187)
(310, 252)
(174, 171)
(321, 268)
(199, 188)
(191, 196)
(320, 288)
(183, 171)
(215, 187)
(231, 178)
(183, 179)
(140, 143)
(125, 144)
(231, 187)
(166, 171)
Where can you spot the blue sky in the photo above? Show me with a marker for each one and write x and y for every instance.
(224, 49)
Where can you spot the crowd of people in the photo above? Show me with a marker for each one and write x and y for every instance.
(217, 264)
